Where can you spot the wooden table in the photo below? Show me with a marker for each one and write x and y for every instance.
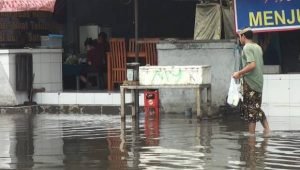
(135, 104)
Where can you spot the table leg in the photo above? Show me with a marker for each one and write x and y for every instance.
(123, 135)
(199, 114)
(133, 98)
(137, 104)
(209, 100)
(122, 91)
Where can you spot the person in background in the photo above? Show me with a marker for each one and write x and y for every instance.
(102, 48)
(103, 40)
(252, 81)
(94, 63)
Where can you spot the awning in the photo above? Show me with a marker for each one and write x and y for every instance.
(26, 5)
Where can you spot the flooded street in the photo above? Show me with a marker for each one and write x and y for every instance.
(91, 141)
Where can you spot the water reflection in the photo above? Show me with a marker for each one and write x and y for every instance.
(24, 141)
(16, 143)
(48, 141)
(81, 141)
(8, 144)
(118, 151)
(253, 151)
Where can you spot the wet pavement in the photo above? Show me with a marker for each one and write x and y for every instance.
(92, 141)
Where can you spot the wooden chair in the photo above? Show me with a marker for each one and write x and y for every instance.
(132, 45)
(149, 45)
(116, 62)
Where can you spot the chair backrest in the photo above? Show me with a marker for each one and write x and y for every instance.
(118, 53)
(117, 57)
(150, 48)
(132, 46)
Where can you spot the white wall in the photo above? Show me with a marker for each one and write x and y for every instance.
(47, 67)
(7, 95)
(281, 95)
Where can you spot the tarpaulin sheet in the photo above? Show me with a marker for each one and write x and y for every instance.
(228, 22)
(208, 22)
(26, 5)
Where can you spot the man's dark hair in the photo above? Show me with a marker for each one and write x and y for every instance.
(90, 42)
(248, 34)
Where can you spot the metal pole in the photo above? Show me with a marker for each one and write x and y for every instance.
(136, 26)
(136, 29)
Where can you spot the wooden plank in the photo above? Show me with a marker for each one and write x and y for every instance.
(166, 86)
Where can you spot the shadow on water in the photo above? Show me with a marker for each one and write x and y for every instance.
(173, 141)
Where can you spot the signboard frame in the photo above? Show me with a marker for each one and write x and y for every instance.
(267, 15)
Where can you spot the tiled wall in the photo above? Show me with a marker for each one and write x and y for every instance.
(6, 62)
(281, 95)
(47, 67)
(48, 71)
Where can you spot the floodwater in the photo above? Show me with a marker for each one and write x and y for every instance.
(91, 141)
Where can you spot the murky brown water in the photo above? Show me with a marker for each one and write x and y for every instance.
(82, 141)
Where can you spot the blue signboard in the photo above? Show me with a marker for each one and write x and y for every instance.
(267, 15)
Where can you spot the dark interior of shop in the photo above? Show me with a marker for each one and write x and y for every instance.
(157, 18)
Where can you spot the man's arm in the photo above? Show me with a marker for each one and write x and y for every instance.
(248, 68)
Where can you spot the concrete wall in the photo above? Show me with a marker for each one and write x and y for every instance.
(222, 56)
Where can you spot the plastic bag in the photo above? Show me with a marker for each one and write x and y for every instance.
(234, 94)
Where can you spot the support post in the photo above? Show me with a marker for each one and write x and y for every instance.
(122, 91)
(133, 106)
(199, 113)
(137, 103)
(123, 135)
(209, 100)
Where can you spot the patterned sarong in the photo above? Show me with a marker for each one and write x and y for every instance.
(251, 106)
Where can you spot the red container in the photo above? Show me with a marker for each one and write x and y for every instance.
(151, 101)
(151, 98)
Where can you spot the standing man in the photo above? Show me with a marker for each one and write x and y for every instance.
(102, 49)
(252, 81)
